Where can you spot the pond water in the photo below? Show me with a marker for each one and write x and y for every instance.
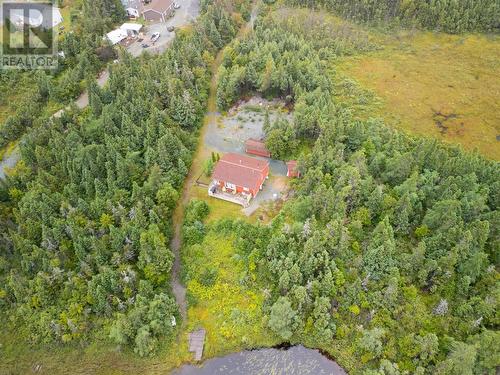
(296, 360)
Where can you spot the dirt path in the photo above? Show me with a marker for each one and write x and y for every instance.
(178, 289)
(201, 154)
(83, 101)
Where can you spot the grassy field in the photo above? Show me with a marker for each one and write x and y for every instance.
(432, 84)
(12, 94)
(99, 358)
(66, 14)
(230, 312)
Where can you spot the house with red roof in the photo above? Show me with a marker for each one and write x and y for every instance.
(238, 178)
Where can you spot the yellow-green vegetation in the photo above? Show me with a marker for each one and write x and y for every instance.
(97, 359)
(433, 84)
(66, 14)
(7, 151)
(229, 311)
(14, 91)
(231, 314)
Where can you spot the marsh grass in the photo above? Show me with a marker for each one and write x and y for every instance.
(229, 309)
(433, 85)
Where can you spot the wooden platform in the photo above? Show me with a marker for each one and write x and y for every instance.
(196, 343)
(233, 198)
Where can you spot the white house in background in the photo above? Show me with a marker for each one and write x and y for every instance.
(133, 12)
(37, 18)
(116, 36)
(133, 7)
(132, 29)
(123, 32)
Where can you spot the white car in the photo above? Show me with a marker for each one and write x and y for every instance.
(155, 37)
(177, 5)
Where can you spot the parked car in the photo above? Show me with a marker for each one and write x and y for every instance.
(144, 45)
(155, 37)
(177, 5)
(170, 28)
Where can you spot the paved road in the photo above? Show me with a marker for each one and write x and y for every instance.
(189, 11)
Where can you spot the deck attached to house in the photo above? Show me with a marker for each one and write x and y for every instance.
(233, 198)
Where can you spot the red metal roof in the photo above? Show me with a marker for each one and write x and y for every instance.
(241, 170)
(255, 146)
(292, 168)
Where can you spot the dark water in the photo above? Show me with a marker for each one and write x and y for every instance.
(296, 360)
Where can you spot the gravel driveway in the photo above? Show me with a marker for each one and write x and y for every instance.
(229, 133)
(272, 191)
(226, 134)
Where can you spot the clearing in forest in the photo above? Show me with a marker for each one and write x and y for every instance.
(225, 133)
(230, 312)
(432, 84)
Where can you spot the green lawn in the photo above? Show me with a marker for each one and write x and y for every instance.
(219, 209)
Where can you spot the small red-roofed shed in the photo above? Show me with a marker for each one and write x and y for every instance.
(292, 169)
(257, 147)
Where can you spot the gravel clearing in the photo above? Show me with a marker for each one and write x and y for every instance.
(245, 120)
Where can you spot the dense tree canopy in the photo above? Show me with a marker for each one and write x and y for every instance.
(454, 16)
(387, 253)
(85, 53)
(85, 245)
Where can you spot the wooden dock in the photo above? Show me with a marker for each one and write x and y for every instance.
(196, 343)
